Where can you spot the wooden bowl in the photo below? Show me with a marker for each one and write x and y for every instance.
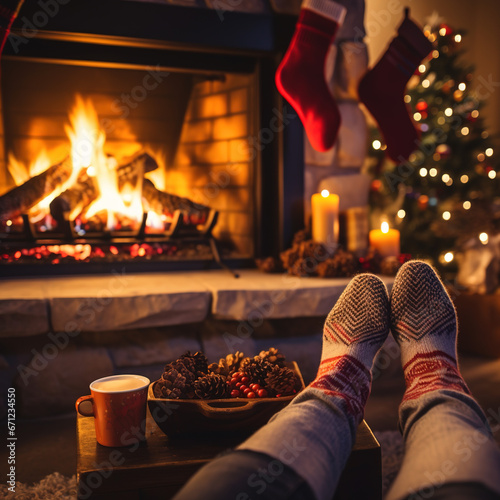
(232, 415)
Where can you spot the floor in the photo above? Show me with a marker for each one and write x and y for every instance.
(48, 445)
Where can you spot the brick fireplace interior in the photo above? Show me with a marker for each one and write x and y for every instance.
(201, 102)
(196, 126)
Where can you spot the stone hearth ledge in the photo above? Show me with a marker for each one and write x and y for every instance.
(121, 301)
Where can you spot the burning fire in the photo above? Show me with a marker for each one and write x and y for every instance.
(117, 204)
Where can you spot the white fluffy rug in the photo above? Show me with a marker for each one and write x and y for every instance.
(53, 487)
(59, 487)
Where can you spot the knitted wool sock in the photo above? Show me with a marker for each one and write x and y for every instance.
(382, 89)
(423, 322)
(300, 77)
(315, 433)
(354, 331)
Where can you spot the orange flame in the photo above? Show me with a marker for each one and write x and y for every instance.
(87, 138)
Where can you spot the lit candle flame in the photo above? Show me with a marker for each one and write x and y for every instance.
(325, 193)
(385, 227)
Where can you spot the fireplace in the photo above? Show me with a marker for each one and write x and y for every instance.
(183, 113)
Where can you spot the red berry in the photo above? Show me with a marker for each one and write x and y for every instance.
(262, 393)
(255, 387)
(242, 387)
(235, 393)
(238, 384)
(245, 380)
(247, 390)
(251, 394)
(278, 395)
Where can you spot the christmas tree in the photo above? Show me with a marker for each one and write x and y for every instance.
(444, 195)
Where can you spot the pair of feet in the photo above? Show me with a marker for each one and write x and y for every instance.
(420, 316)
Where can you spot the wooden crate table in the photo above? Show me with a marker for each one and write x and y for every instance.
(158, 468)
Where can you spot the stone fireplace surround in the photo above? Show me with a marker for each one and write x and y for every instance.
(58, 334)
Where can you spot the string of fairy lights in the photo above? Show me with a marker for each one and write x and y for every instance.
(441, 101)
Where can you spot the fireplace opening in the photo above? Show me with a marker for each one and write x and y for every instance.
(112, 164)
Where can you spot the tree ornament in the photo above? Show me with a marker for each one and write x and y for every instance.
(447, 86)
(423, 202)
(445, 30)
(421, 105)
(444, 151)
(376, 185)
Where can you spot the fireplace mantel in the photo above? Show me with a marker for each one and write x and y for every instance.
(122, 301)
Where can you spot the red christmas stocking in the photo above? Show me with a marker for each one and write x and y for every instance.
(8, 12)
(300, 77)
(382, 89)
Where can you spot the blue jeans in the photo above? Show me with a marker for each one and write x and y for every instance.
(449, 454)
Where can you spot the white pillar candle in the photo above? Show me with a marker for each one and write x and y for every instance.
(385, 241)
(325, 218)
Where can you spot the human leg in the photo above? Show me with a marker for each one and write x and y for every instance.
(447, 436)
(313, 436)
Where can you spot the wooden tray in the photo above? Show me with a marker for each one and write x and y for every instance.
(181, 416)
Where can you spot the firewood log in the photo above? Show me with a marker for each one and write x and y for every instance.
(71, 202)
(166, 203)
(135, 168)
(20, 199)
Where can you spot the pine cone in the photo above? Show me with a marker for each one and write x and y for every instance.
(219, 368)
(270, 265)
(177, 379)
(273, 356)
(173, 384)
(234, 361)
(312, 250)
(303, 268)
(257, 370)
(211, 386)
(301, 236)
(289, 257)
(281, 381)
(196, 362)
(342, 264)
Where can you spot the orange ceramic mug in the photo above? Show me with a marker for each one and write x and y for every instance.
(118, 405)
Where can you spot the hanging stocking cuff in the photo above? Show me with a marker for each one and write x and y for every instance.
(326, 8)
(413, 35)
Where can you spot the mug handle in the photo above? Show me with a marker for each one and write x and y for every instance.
(80, 410)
